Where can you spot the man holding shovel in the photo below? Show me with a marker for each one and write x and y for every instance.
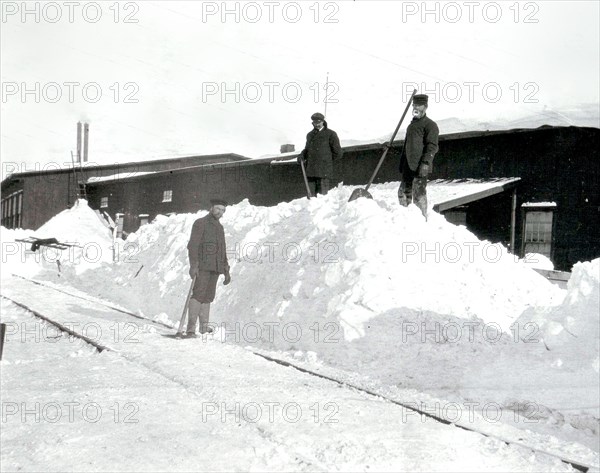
(420, 146)
(208, 259)
(322, 148)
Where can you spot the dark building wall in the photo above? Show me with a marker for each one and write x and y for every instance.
(489, 219)
(261, 183)
(555, 164)
(46, 194)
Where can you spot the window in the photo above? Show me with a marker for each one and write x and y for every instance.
(168, 196)
(11, 212)
(19, 208)
(537, 233)
(12, 207)
(143, 219)
(103, 202)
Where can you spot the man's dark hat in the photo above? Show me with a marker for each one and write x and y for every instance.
(218, 202)
(317, 116)
(420, 99)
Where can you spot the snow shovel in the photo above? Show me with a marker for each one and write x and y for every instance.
(356, 193)
(187, 302)
(305, 179)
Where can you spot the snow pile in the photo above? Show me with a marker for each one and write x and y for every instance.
(330, 260)
(79, 226)
(538, 261)
(327, 260)
(571, 330)
(151, 270)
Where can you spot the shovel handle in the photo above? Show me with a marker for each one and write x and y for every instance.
(308, 194)
(385, 151)
(187, 302)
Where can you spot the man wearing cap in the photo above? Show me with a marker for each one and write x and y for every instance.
(322, 148)
(420, 146)
(208, 259)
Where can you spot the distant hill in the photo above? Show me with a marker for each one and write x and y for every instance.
(587, 115)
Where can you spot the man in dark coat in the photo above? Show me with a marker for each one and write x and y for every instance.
(208, 259)
(420, 146)
(322, 148)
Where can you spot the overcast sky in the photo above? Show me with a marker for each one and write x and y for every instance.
(159, 79)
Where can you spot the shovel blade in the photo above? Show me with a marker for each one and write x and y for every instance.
(357, 193)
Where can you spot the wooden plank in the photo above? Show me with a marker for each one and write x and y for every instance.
(554, 275)
(467, 199)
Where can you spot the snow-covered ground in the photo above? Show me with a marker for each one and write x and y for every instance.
(421, 311)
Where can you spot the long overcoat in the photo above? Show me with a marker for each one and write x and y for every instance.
(421, 142)
(322, 148)
(206, 248)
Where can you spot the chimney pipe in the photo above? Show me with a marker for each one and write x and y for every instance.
(79, 142)
(86, 132)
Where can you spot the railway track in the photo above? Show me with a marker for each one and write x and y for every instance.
(95, 301)
(574, 463)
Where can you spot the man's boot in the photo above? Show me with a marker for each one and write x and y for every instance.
(420, 189)
(323, 186)
(194, 310)
(204, 317)
(403, 199)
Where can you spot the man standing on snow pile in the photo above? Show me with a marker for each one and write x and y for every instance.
(420, 146)
(208, 259)
(322, 148)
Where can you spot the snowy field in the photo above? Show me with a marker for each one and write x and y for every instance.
(423, 314)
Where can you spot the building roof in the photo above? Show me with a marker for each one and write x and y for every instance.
(125, 176)
(447, 194)
(118, 176)
(288, 158)
(181, 161)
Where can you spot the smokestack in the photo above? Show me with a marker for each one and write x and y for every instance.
(288, 148)
(86, 132)
(78, 142)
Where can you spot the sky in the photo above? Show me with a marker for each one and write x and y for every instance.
(164, 79)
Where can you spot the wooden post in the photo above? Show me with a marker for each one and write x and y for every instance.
(513, 221)
(2, 336)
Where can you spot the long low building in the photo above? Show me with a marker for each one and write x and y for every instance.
(31, 198)
(555, 212)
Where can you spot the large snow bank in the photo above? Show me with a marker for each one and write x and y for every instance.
(361, 259)
(327, 260)
(571, 330)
